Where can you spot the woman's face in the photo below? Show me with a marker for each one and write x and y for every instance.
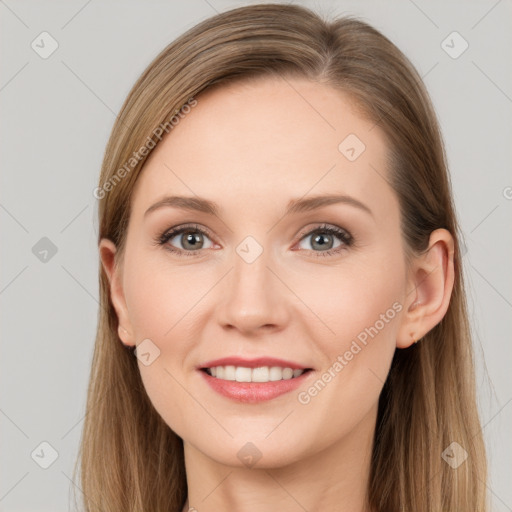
(320, 285)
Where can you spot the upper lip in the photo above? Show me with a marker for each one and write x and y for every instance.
(252, 363)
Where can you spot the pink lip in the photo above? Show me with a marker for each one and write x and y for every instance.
(252, 363)
(253, 392)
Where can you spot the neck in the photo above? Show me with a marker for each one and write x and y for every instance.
(334, 479)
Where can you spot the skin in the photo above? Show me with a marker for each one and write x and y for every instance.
(251, 148)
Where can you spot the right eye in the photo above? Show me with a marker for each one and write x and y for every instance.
(190, 240)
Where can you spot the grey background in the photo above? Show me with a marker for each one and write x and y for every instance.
(56, 116)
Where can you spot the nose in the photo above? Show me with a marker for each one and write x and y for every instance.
(255, 299)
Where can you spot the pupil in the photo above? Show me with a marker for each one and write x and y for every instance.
(321, 237)
(191, 238)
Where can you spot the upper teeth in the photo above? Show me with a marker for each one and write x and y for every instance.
(261, 374)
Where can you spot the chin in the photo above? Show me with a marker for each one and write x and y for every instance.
(255, 449)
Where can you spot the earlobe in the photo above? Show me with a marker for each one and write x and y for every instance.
(429, 289)
(107, 251)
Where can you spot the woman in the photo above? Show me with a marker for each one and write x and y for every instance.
(280, 258)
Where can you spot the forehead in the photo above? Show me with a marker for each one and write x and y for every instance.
(280, 138)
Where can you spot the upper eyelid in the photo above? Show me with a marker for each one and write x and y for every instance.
(324, 227)
(175, 231)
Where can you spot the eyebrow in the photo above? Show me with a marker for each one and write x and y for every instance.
(294, 205)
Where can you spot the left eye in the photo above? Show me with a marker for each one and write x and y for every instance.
(324, 239)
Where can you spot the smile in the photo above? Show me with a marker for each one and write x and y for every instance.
(254, 385)
(261, 374)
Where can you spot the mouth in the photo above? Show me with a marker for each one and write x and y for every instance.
(260, 374)
(256, 380)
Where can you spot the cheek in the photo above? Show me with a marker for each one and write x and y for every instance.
(157, 295)
(365, 318)
(160, 305)
(360, 306)
(352, 298)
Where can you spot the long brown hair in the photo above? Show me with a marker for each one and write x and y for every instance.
(130, 460)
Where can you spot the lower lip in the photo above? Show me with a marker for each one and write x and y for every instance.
(253, 392)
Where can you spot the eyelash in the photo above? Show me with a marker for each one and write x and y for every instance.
(344, 236)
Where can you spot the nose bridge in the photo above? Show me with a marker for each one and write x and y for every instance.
(254, 297)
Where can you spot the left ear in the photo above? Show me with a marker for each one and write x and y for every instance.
(429, 289)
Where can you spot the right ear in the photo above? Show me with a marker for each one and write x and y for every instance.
(107, 251)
